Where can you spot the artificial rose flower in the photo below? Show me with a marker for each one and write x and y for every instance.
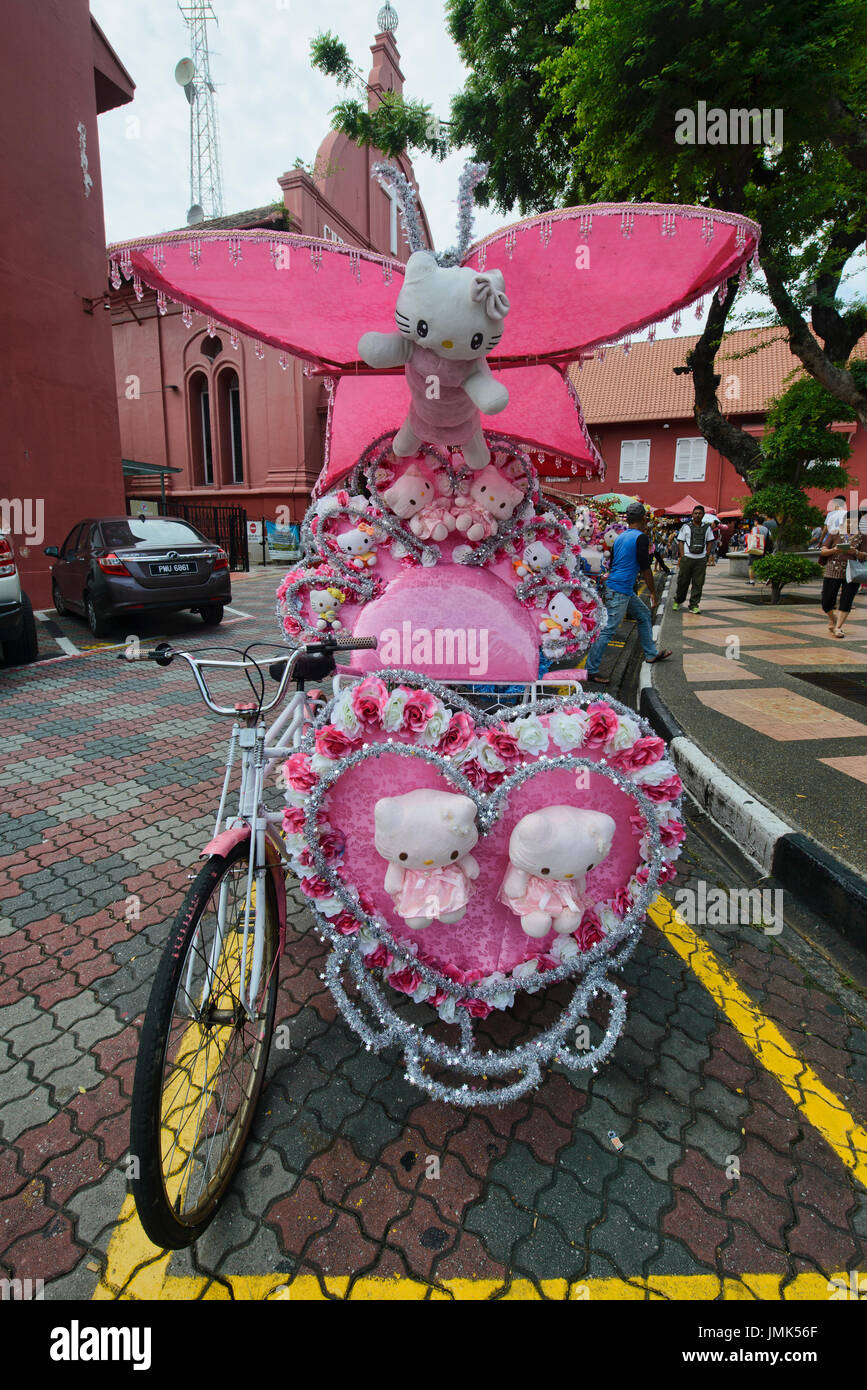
(525, 973)
(487, 757)
(418, 710)
(569, 730)
(564, 948)
(406, 981)
(435, 727)
(392, 715)
(476, 1008)
(672, 833)
(332, 844)
(438, 997)
(368, 699)
(643, 753)
(669, 790)
(332, 742)
(667, 873)
(504, 743)
(346, 924)
(601, 724)
(458, 735)
(502, 995)
(626, 733)
(343, 715)
(531, 734)
(316, 888)
(621, 902)
(656, 772)
(292, 627)
(294, 819)
(446, 1009)
(380, 958)
(298, 773)
(638, 823)
(642, 874)
(590, 931)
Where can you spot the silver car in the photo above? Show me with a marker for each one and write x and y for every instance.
(17, 624)
(116, 566)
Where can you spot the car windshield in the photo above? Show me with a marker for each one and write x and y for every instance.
(158, 531)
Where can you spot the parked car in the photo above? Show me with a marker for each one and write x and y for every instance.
(114, 566)
(17, 624)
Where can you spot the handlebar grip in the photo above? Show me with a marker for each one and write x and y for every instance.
(349, 643)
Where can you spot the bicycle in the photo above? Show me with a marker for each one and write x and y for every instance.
(207, 1028)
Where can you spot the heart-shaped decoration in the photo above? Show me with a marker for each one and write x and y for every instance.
(396, 734)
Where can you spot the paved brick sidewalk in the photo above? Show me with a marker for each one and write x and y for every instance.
(721, 1173)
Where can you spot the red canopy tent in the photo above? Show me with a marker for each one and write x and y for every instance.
(684, 506)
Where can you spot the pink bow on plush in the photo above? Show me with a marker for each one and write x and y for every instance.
(495, 301)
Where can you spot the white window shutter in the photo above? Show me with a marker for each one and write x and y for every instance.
(634, 460)
(690, 460)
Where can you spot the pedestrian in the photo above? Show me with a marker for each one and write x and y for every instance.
(630, 556)
(759, 542)
(841, 542)
(695, 547)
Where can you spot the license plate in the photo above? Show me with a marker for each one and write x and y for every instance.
(170, 567)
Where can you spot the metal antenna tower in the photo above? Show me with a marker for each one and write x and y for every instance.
(194, 75)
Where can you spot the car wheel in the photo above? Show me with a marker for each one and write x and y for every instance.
(212, 615)
(97, 623)
(57, 598)
(26, 647)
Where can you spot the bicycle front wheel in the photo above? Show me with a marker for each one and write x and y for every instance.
(202, 1059)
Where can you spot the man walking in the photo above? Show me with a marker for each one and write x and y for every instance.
(695, 546)
(630, 556)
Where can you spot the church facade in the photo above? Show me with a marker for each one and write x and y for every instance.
(239, 429)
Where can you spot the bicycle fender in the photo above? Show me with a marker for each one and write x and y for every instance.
(225, 841)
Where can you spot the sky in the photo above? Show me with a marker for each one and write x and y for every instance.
(273, 108)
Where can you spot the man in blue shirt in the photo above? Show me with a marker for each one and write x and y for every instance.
(630, 556)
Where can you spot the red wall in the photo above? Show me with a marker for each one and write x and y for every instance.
(722, 486)
(58, 423)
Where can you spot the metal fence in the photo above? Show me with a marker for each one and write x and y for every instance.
(225, 525)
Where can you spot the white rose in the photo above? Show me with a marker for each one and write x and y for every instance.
(435, 726)
(568, 730)
(608, 920)
(655, 773)
(392, 715)
(564, 948)
(525, 972)
(423, 992)
(319, 763)
(502, 998)
(294, 798)
(329, 907)
(488, 757)
(531, 734)
(626, 734)
(367, 942)
(466, 755)
(343, 716)
(446, 1010)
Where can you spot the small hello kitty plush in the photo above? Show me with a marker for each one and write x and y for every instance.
(426, 836)
(536, 558)
(492, 500)
(448, 320)
(550, 854)
(359, 546)
(413, 498)
(563, 617)
(326, 603)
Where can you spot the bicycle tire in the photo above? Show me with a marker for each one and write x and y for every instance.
(170, 1057)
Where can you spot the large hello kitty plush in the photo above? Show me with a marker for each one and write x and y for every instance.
(550, 854)
(426, 836)
(492, 500)
(536, 559)
(448, 320)
(563, 617)
(413, 498)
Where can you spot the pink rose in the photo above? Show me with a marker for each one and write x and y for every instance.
(459, 734)
(298, 772)
(621, 902)
(601, 725)
(418, 710)
(669, 790)
(332, 844)
(642, 874)
(476, 1008)
(291, 626)
(345, 923)
(672, 833)
(667, 873)
(504, 744)
(293, 820)
(638, 823)
(368, 700)
(316, 888)
(590, 931)
(380, 959)
(643, 753)
(438, 997)
(331, 742)
(407, 981)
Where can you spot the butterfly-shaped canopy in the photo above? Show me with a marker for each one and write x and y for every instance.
(576, 278)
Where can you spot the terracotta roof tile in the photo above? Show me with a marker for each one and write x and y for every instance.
(641, 384)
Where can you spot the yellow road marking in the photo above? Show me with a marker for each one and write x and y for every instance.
(818, 1104)
(141, 1270)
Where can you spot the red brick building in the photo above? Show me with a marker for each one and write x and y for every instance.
(240, 429)
(58, 417)
(640, 415)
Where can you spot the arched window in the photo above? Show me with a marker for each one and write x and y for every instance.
(211, 348)
(231, 433)
(200, 430)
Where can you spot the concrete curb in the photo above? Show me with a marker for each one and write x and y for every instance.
(825, 885)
